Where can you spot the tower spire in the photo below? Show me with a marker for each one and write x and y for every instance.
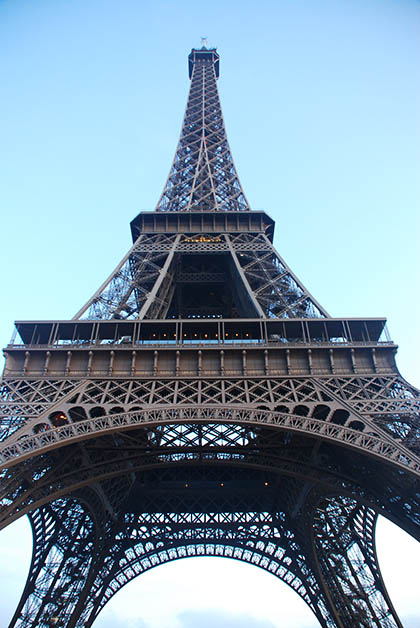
(203, 176)
(202, 253)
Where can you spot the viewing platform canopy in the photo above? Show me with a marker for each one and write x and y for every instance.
(338, 332)
(202, 54)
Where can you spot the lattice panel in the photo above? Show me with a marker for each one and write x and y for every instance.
(223, 391)
(23, 399)
(389, 402)
(125, 292)
(277, 289)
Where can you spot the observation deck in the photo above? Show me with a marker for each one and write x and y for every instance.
(175, 348)
(203, 54)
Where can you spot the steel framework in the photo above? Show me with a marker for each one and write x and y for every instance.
(203, 403)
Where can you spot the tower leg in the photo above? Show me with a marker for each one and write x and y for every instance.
(344, 543)
(63, 561)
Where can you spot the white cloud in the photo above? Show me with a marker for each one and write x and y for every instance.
(171, 595)
(211, 618)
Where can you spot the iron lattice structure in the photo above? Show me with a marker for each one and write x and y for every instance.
(203, 403)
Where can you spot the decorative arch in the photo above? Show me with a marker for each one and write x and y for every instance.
(93, 566)
(360, 436)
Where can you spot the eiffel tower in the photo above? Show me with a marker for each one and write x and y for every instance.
(202, 403)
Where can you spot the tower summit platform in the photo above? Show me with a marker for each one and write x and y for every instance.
(203, 54)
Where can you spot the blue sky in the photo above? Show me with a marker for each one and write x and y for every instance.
(321, 102)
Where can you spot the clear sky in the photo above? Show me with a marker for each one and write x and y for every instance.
(321, 103)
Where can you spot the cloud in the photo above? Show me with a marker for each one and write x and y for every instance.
(211, 618)
(135, 623)
(411, 621)
(114, 619)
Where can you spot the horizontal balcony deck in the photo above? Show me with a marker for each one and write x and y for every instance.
(206, 332)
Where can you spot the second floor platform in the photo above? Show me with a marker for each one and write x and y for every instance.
(199, 347)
